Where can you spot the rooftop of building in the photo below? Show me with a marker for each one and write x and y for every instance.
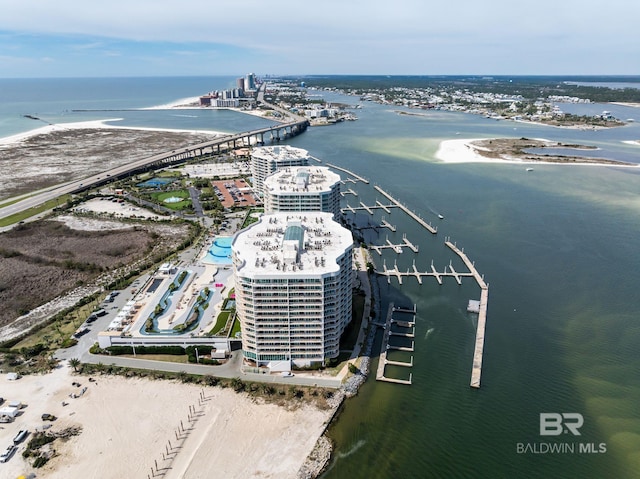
(291, 245)
(279, 152)
(301, 179)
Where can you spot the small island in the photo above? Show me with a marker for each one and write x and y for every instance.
(516, 149)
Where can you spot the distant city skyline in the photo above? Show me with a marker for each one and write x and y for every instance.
(69, 38)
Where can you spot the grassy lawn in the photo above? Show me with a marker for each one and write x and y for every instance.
(49, 205)
(251, 218)
(220, 322)
(235, 328)
(167, 358)
(180, 205)
(169, 174)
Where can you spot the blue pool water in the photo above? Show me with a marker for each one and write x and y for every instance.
(220, 251)
(155, 182)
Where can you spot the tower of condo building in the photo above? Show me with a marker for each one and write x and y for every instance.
(293, 268)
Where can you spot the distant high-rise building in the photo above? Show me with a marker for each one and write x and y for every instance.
(240, 83)
(302, 188)
(293, 285)
(266, 160)
(250, 82)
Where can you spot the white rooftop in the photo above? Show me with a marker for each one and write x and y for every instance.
(301, 179)
(291, 245)
(279, 153)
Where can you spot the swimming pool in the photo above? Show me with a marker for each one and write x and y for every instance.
(155, 182)
(220, 251)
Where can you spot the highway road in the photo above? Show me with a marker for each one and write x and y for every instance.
(159, 160)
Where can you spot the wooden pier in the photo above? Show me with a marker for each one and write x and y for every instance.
(419, 220)
(389, 272)
(383, 361)
(386, 224)
(386, 208)
(360, 178)
(476, 371)
(368, 208)
(348, 192)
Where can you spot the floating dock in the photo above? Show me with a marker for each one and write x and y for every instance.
(482, 305)
(420, 221)
(386, 224)
(348, 192)
(399, 275)
(383, 361)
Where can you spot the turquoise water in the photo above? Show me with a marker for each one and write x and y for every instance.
(155, 182)
(220, 251)
(559, 249)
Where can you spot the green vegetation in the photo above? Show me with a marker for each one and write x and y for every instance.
(23, 215)
(221, 321)
(235, 328)
(160, 197)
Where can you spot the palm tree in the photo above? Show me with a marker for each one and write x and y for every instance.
(74, 363)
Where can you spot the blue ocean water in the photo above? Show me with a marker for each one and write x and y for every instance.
(52, 100)
(558, 247)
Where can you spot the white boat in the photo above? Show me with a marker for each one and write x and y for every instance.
(529, 169)
(441, 217)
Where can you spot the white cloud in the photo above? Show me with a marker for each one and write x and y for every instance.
(361, 33)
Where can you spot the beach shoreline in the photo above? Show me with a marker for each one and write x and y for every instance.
(185, 430)
(466, 150)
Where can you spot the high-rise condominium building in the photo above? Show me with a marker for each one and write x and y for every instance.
(303, 188)
(266, 160)
(293, 284)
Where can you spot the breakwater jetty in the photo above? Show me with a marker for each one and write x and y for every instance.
(420, 221)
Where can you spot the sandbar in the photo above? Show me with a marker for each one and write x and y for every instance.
(510, 150)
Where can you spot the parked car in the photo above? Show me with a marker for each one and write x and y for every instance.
(6, 455)
(20, 436)
(48, 417)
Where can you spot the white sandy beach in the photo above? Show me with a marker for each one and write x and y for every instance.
(94, 124)
(464, 151)
(129, 425)
(460, 151)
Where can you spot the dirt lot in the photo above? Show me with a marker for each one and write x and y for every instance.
(41, 260)
(62, 155)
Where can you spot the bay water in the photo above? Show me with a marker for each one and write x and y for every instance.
(557, 245)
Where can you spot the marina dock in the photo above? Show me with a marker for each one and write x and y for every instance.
(399, 275)
(419, 220)
(386, 224)
(369, 209)
(358, 177)
(348, 192)
(383, 361)
(476, 371)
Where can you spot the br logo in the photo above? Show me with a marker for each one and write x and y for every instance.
(554, 424)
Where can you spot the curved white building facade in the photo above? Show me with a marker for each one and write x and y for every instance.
(303, 188)
(293, 283)
(266, 160)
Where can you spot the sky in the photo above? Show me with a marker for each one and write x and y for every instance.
(73, 38)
